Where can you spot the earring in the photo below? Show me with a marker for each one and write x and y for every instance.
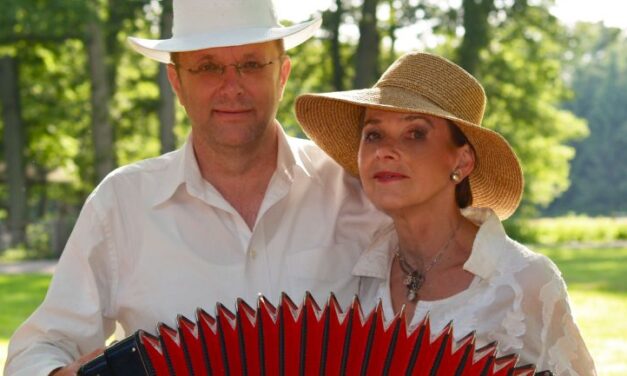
(456, 176)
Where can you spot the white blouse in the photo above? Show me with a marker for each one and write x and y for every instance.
(517, 298)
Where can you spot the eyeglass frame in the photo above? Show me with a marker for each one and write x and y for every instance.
(222, 67)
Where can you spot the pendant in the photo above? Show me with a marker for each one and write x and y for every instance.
(413, 282)
(411, 295)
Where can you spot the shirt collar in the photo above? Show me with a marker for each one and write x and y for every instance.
(292, 159)
(183, 167)
(174, 174)
(484, 257)
(491, 240)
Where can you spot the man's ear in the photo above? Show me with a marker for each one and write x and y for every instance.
(465, 160)
(284, 73)
(175, 82)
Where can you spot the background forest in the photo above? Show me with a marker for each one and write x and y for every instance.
(76, 102)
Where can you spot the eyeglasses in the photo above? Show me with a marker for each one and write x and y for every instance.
(247, 68)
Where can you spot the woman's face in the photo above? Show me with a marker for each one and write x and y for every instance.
(406, 160)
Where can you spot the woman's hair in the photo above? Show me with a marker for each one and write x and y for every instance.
(463, 194)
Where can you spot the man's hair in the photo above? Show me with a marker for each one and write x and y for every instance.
(463, 194)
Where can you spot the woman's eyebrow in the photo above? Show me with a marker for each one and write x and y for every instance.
(413, 117)
(371, 120)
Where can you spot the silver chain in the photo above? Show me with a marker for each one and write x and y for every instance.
(415, 279)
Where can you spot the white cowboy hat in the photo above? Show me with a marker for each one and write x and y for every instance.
(200, 24)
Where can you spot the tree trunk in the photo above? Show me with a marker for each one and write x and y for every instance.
(102, 130)
(392, 33)
(336, 57)
(368, 47)
(476, 35)
(166, 95)
(14, 148)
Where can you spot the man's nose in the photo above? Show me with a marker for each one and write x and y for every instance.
(231, 80)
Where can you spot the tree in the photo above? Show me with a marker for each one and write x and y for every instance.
(367, 55)
(14, 147)
(598, 72)
(166, 95)
(516, 54)
(101, 127)
(476, 33)
(22, 24)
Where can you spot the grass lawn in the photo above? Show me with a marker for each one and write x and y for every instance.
(596, 278)
(597, 284)
(19, 296)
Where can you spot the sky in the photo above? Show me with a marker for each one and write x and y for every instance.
(611, 12)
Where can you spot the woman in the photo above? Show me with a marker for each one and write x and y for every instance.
(415, 140)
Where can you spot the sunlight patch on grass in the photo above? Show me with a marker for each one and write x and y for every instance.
(600, 317)
(4, 345)
(20, 294)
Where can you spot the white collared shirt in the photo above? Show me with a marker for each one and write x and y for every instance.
(155, 240)
(517, 298)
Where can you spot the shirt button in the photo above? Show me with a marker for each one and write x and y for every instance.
(252, 253)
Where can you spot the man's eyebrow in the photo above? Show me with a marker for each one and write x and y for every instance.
(211, 58)
(204, 58)
(250, 55)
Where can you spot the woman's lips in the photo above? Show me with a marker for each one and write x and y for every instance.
(388, 176)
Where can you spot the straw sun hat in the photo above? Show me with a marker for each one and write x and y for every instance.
(200, 24)
(426, 84)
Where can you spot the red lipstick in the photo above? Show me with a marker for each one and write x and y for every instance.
(388, 176)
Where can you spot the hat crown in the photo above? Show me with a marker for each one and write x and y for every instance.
(197, 17)
(441, 82)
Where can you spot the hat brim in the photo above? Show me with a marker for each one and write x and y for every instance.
(160, 49)
(332, 120)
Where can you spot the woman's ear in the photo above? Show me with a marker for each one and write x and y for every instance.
(465, 160)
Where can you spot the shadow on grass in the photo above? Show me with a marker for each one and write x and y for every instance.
(603, 269)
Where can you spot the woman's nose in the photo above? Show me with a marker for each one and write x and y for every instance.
(386, 150)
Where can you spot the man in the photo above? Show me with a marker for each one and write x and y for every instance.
(240, 209)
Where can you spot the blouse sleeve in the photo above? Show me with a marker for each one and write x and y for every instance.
(551, 331)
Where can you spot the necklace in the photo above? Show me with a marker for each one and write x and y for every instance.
(414, 278)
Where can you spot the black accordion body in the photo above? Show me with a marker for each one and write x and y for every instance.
(300, 340)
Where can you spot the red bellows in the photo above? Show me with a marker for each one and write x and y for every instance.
(303, 340)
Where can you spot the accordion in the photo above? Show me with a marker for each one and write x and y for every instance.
(303, 339)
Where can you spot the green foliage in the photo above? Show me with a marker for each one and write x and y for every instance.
(56, 116)
(520, 66)
(311, 72)
(48, 40)
(521, 74)
(47, 21)
(568, 229)
(598, 71)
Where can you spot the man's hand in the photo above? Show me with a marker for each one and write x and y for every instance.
(72, 368)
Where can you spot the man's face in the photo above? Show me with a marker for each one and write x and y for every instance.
(231, 94)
